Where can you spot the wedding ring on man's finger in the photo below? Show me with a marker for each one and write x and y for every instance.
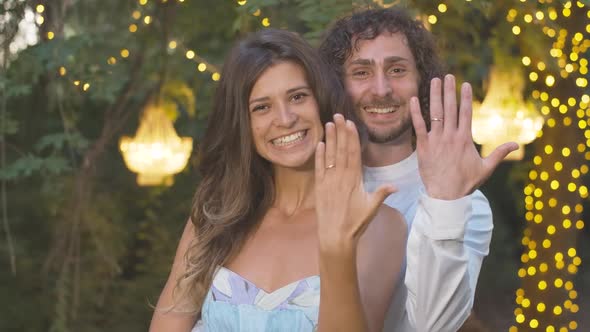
(330, 166)
(436, 119)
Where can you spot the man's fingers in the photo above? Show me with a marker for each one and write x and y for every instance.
(436, 106)
(450, 104)
(466, 109)
(418, 120)
(495, 158)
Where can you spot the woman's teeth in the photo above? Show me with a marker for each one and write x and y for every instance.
(289, 139)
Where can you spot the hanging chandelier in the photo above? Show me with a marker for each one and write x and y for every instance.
(504, 115)
(156, 152)
(389, 4)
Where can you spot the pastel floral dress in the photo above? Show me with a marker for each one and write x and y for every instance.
(236, 304)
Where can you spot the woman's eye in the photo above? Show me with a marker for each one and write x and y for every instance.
(259, 108)
(299, 96)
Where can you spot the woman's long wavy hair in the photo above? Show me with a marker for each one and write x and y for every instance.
(237, 186)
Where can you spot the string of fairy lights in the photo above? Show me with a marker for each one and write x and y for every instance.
(442, 8)
(546, 264)
(264, 20)
(545, 261)
(140, 19)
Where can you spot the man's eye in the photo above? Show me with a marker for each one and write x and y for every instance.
(396, 70)
(360, 73)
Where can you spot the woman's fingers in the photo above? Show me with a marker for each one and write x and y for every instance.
(342, 203)
(381, 194)
(320, 165)
(354, 146)
(341, 141)
(330, 155)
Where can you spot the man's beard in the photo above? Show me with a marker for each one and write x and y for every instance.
(390, 134)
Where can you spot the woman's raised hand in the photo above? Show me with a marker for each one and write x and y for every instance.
(344, 209)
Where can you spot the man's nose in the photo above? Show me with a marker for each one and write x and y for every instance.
(380, 85)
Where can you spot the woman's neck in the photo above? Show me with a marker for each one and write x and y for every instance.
(294, 189)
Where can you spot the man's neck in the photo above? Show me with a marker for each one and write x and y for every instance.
(384, 154)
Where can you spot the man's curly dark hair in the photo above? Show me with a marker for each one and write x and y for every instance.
(342, 39)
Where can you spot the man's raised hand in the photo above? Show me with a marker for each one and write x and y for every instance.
(449, 163)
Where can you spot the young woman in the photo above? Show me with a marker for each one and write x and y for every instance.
(278, 209)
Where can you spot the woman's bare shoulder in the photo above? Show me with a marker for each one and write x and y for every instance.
(388, 224)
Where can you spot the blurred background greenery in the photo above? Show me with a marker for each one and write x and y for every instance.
(85, 248)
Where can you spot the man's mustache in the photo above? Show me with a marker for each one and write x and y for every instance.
(381, 102)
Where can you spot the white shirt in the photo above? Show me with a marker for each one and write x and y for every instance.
(447, 243)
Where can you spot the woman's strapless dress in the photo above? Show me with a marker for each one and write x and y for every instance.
(236, 304)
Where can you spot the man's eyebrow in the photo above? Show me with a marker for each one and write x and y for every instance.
(369, 62)
(362, 62)
(395, 58)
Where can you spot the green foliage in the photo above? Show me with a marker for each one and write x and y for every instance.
(29, 164)
(9, 126)
(128, 234)
(14, 90)
(317, 18)
(177, 98)
(58, 141)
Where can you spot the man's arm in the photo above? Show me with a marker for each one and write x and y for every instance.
(446, 247)
(447, 243)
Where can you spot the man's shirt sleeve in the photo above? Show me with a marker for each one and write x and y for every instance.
(446, 246)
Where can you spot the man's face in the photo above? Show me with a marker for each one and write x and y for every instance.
(381, 77)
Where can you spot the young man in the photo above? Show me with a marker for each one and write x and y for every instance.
(390, 68)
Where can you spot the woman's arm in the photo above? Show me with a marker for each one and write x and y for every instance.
(344, 211)
(381, 252)
(164, 319)
(356, 288)
(340, 301)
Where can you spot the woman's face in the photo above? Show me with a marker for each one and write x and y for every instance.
(284, 116)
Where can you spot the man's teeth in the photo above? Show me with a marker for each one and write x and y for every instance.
(285, 140)
(380, 110)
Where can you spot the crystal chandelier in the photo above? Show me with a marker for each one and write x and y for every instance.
(504, 116)
(156, 152)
